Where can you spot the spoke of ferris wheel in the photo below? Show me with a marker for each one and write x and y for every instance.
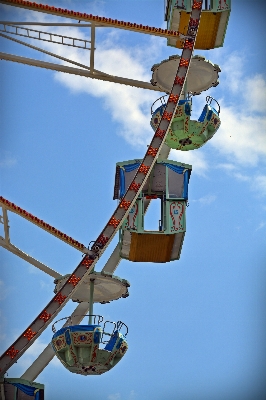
(48, 353)
(78, 71)
(93, 71)
(29, 259)
(26, 32)
(5, 242)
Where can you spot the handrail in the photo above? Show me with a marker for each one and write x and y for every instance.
(209, 100)
(163, 103)
(119, 326)
(100, 319)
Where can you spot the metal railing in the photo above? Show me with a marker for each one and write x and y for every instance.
(209, 99)
(97, 319)
(162, 100)
(47, 36)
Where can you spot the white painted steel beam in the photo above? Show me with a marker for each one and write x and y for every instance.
(6, 226)
(15, 250)
(77, 71)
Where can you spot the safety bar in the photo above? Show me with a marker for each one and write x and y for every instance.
(163, 103)
(97, 319)
(209, 100)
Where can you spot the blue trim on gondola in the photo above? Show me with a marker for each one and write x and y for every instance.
(125, 168)
(186, 179)
(76, 328)
(112, 342)
(68, 337)
(209, 115)
(97, 337)
(187, 109)
(161, 109)
(29, 390)
(180, 170)
(175, 168)
(203, 114)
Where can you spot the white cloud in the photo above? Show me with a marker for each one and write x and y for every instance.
(241, 137)
(241, 177)
(255, 94)
(115, 396)
(31, 354)
(259, 184)
(206, 200)
(132, 395)
(3, 290)
(32, 269)
(129, 106)
(232, 71)
(7, 160)
(261, 225)
(226, 166)
(2, 324)
(55, 362)
(46, 286)
(196, 158)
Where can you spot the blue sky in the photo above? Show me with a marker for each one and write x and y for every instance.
(196, 326)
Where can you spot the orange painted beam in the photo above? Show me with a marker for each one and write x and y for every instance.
(41, 224)
(99, 21)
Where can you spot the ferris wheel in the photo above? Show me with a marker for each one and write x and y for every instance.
(95, 347)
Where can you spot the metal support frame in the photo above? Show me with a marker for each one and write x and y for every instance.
(78, 71)
(91, 300)
(44, 51)
(5, 242)
(6, 226)
(39, 37)
(99, 21)
(15, 250)
(92, 47)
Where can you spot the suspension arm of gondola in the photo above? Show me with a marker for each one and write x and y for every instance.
(24, 341)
